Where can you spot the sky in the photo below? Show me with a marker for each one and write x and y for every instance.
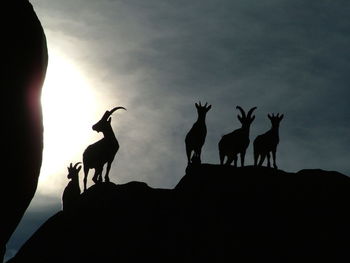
(159, 57)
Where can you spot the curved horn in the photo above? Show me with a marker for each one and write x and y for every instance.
(75, 165)
(116, 108)
(242, 111)
(250, 112)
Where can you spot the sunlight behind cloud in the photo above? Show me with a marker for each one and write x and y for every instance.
(68, 108)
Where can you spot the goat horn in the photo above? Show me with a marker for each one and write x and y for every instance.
(250, 112)
(75, 165)
(114, 109)
(242, 111)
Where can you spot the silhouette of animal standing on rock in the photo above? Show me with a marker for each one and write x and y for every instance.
(237, 141)
(267, 142)
(72, 191)
(195, 138)
(103, 151)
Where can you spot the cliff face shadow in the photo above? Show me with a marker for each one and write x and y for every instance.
(24, 59)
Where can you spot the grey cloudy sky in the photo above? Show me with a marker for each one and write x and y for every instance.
(159, 57)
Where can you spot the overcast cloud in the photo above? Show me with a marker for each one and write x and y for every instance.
(158, 58)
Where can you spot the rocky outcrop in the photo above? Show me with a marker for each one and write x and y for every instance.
(24, 61)
(214, 214)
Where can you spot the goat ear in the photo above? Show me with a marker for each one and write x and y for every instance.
(270, 117)
(281, 117)
(196, 104)
(109, 119)
(209, 107)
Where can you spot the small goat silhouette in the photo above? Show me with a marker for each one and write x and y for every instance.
(195, 138)
(72, 191)
(267, 142)
(237, 141)
(103, 151)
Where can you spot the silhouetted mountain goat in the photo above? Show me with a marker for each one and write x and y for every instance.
(96, 155)
(72, 191)
(267, 142)
(195, 138)
(237, 141)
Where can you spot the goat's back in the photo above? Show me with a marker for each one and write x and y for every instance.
(265, 142)
(234, 142)
(70, 194)
(99, 153)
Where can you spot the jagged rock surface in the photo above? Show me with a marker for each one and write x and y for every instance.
(215, 214)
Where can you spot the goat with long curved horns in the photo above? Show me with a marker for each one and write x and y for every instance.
(237, 141)
(267, 142)
(103, 151)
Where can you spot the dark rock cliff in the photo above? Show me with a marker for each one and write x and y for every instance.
(24, 59)
(215, 213)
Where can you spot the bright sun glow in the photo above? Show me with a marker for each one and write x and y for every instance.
(68, 107)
